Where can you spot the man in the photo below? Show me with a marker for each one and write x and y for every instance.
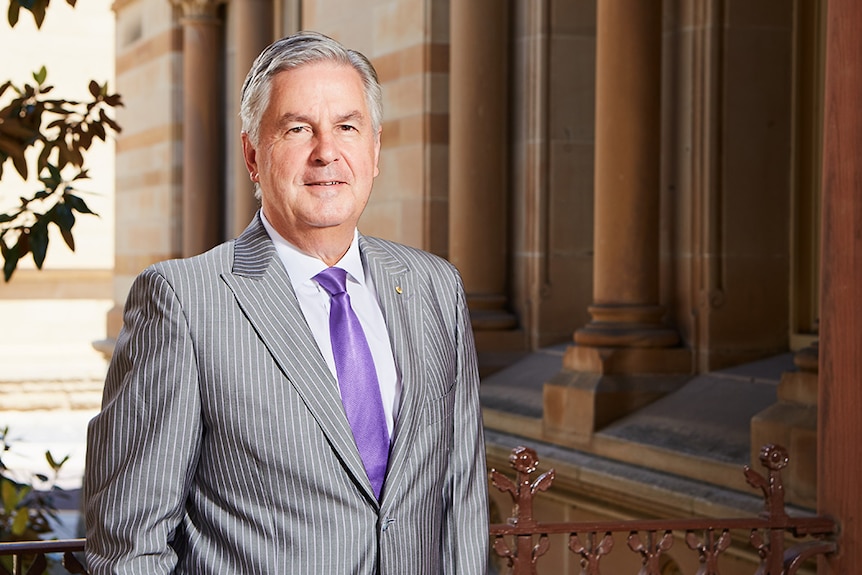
(227, 440)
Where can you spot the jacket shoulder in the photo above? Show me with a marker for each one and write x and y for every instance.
(414, 258)
(210, 263)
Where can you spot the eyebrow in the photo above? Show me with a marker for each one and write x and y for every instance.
(295, 117)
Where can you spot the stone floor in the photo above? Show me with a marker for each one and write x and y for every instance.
(698, 433)
(709, 416)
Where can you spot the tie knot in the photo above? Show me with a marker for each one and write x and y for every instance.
(333, 280)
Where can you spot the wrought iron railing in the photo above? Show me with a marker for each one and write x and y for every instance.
(523, 540)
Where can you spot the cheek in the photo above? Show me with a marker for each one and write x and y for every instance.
(282, 158)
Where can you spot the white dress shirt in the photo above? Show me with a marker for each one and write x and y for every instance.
(314, 302)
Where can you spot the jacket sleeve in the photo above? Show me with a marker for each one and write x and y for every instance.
(466, 516)
(142, 448)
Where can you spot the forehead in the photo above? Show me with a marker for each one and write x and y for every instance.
(318, 85)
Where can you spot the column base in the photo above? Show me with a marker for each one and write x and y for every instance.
(577, 404)
(488, 312)
(626, 326)
(499, 342)
(628, 360)
(600, 385)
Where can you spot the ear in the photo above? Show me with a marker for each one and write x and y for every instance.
(249, 153)
(377, 151)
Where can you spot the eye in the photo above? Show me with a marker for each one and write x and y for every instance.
(347, 128)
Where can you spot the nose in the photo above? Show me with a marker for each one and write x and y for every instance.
(325, 149)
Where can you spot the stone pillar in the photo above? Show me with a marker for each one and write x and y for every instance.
(601, 378)
(628, 127)
(253, 22)
(478, 204)
(202, 121)
(839, 457)
(148, 175)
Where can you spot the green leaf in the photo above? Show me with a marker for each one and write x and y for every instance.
(11, 257)
(20, 163)
(99, 131)
(55, 465)
(68, 238)
(40, 75)
(12, 148)
(105, 119)
(65, 219)
(38, 10)
(10, 496)
(14, 12)
(39, 242)
(76, 203)
(22, 519)
(63, 216)
(114, 100)
(42, 162)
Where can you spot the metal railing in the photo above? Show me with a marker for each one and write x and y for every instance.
(523, 540)
(31, 557)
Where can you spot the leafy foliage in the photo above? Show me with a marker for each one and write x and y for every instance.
(56, 133)
(36, 7)
(61, 131)
(26, 513)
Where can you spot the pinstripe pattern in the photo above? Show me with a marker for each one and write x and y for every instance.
(222, 446)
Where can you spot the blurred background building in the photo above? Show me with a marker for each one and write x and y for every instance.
(632, 191)
(51, 317)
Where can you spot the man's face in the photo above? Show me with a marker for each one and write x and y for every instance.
(317, 154)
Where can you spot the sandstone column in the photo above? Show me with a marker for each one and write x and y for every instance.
(202, 170)
(478, 205)
(602, 377)
(628, 127)
(253, 22)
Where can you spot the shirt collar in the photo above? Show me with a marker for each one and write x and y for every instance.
(302, 267)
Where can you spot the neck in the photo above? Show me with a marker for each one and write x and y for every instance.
(326, 244)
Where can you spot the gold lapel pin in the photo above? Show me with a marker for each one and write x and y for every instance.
(398, 290)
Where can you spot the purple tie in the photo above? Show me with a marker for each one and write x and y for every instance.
(357, 378)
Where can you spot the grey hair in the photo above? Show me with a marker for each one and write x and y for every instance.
(294, 51)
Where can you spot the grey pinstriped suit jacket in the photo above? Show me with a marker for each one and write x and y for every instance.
(222, 446)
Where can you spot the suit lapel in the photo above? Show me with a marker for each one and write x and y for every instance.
(397, 291)
(264, 293)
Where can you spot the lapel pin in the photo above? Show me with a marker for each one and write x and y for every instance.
(398, 290)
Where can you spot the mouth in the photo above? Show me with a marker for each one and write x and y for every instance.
(326, 183)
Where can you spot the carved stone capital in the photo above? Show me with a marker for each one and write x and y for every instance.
(198, 9)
